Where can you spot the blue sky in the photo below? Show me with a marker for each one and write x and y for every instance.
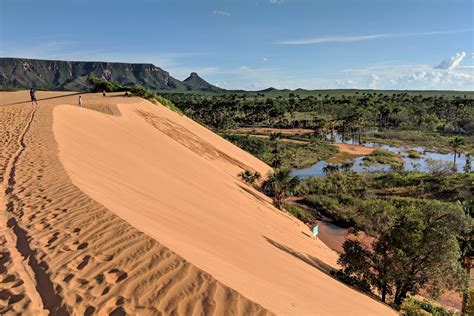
(380, 44)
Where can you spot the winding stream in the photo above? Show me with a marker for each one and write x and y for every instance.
(424, 164)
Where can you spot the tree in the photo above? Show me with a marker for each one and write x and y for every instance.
(456, 144)
(280, 185)
(250, 177)
(414, 247)
(467, 166)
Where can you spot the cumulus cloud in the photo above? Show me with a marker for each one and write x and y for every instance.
(452, 62)
(373, 80)
(221, 12)
(435, 80)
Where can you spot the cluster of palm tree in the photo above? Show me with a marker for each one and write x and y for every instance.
(351, 113)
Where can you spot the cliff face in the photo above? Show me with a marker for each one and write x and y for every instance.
(21, 73)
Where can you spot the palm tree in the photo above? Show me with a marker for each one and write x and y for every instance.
(250, 177)
(456, 144)
(280, 185)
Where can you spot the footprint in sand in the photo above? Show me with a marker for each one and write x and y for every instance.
(75, 246)
(115, 275)
(104, 257)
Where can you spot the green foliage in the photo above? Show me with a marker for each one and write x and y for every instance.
(279, 185)
(457, 144)
(99, 85)
(415, 245)
(415, 307)
(301, 214)
(384, 157)
(414, 154)
(291, 155)
(110, 86)
(399, 118)
(250, 177)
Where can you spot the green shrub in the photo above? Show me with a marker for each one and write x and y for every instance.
(99, 84)
(384, 157)
(301, 214)
(250, 177)
(414, 307)
(110, 86)
(413, 154)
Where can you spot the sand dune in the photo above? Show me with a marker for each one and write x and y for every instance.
(83, 259)
(124, 207)
(177, 182)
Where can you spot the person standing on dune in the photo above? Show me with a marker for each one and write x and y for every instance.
(80, 101)
(33, 97)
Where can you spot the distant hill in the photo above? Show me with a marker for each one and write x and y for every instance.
(22, 73)
(194, 82)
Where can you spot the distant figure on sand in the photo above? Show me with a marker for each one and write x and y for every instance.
(103, 93)
(33, 96)
(80, 101)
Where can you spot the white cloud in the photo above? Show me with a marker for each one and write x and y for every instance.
(410, 77)
(445, 80)
(346, 84)
(453, 62)
(277, 1)
(264, 60)
(373, 81)
(357, 38)
(221, 12)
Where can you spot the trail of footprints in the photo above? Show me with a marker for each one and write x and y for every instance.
(13, 298)
(98, 263)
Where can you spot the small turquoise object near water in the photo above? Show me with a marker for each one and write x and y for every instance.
(315, 231)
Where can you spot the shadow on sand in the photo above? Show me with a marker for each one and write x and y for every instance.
(255, 195)
(320, 265)
(312, 261)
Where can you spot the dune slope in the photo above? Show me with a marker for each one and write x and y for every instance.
(176, 181)
(63, 253)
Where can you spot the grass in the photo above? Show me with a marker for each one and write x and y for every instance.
(430, 140)
(291, 155)
(341, 157)
(383, 157)
(413, 154)
(303, 215)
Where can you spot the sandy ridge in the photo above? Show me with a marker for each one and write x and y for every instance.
(96, 262)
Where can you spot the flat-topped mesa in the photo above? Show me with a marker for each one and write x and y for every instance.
(23, 73)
